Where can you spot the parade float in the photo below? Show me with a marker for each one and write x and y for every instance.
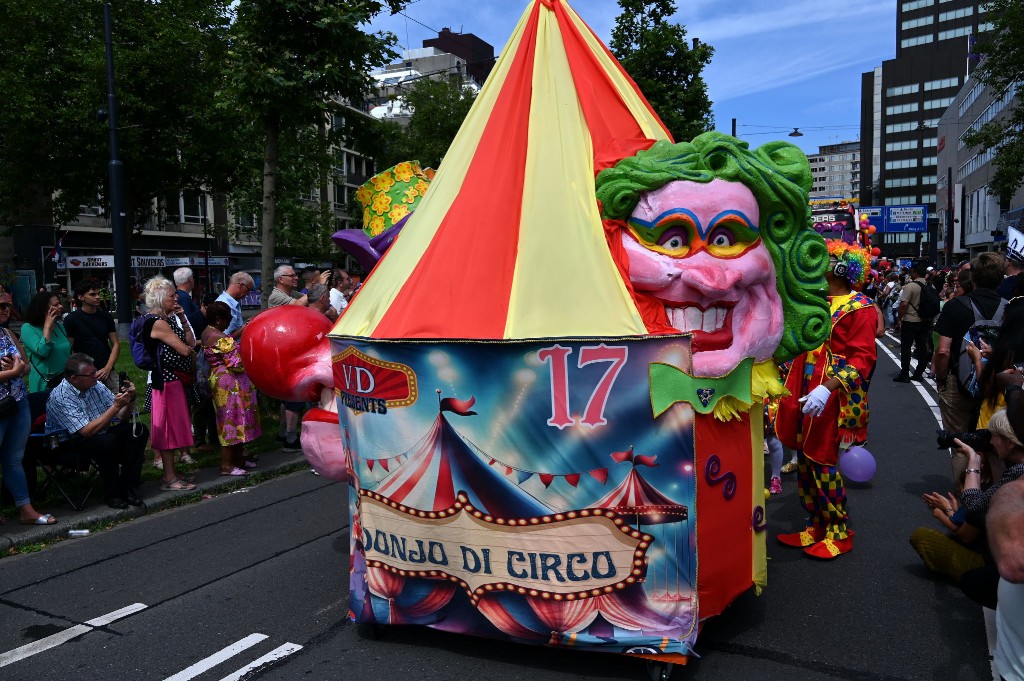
(547, 396)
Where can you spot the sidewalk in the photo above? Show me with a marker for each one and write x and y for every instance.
(209, 482)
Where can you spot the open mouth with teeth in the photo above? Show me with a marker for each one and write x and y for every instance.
(711, 326)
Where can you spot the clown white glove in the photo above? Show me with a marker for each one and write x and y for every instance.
(814, 402)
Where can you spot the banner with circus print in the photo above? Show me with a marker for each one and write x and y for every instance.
(522, 489)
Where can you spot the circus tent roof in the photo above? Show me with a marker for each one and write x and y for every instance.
(636, 496)
(508, 242)
(441, 465)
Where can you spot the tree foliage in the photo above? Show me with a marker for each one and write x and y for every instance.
(53, 75)
(292, 63)
(656, 54)
(439, 108)
(1003, 67)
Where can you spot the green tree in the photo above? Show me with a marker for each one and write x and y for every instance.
(53, 75)
(655, 53)
(292, 63)
(1002, 68)
(439, 108)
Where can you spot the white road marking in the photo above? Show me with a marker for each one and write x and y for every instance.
(57, 639)
(218, 657)
(275, 654)
(921, 386)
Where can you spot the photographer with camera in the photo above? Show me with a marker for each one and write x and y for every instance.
(959, 409)
(966, 558)
(84, 407)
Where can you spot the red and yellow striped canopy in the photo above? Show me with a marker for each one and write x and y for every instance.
(508, 242)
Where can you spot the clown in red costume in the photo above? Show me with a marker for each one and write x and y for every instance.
(827, 408)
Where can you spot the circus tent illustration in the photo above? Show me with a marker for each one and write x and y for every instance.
(508, 242)
(441, 465)
(637, 498)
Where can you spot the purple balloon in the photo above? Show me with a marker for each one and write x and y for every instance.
(857, 464)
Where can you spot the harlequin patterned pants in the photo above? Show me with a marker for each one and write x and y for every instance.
(823, 495)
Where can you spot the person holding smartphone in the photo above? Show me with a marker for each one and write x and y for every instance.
(16, 421)
(47, 346)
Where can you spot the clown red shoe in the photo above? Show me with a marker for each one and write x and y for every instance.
(806, 537)
(829, 549)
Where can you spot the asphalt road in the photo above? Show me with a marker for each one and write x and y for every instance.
(254, 585)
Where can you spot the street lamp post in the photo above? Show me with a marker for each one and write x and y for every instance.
(116, 170)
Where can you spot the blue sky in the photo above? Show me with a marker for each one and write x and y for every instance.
(778, 64)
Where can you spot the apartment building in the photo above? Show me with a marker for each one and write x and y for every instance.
(836, 171)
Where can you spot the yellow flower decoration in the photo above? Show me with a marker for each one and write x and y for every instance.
(410, 195)
(364, 196)
(398, 212)
(383, 182)
(366, 216)
(381, 204)
(376, 225)
(421, 187)
(403, 172)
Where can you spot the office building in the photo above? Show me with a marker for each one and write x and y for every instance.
(901, 102)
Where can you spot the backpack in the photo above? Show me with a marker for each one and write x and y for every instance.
(141, 343)
(928, 305)
(965, 367)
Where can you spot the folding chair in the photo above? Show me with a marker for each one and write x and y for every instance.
(72, 472)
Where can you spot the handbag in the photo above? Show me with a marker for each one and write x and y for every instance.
(8, 405)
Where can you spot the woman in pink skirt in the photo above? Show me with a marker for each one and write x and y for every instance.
(174, 375)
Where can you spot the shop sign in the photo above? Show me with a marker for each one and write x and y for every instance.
(84, 262)
(148, 261)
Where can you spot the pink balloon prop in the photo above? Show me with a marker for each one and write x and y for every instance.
(857, 464)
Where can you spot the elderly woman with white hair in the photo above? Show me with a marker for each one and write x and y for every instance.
(173, 377)
(964, 556)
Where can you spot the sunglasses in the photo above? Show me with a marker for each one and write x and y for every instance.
(92, 375)
(5, 306)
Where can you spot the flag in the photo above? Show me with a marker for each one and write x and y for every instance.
(619, 457)
(460, 407)
(57, 254)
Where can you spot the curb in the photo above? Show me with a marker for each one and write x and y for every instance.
(273, 464)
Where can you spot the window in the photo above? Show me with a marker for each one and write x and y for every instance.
(901, 108)
(902, 163)
(900, 127)
(901, 182)
(938, 103)
(954, 33)
(930, 161)
(901, 90)
(918, 40)
(928, 198)
(914, 23)
(955, 14)
(930, 142)
(928, 179)
(990, 112)
(987, 26)
(900, 146)
(900, 200)
(945, 82)
(916, 4)
(971, 97)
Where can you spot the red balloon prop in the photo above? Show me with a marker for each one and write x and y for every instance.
(286, 353)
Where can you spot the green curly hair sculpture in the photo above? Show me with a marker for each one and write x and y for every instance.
(779, 177)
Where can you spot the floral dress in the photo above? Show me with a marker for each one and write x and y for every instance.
(234, 396)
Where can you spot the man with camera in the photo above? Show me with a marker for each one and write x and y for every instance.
(957, 406)
(85, 408)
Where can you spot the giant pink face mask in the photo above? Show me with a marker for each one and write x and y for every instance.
(697, 251)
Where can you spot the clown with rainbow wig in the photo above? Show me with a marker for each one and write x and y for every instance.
(827, 409)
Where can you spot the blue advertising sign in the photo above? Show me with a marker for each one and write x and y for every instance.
(906, 218)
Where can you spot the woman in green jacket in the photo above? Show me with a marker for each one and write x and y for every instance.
(46, 343)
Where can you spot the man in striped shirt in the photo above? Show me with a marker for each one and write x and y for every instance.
(85, 408)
